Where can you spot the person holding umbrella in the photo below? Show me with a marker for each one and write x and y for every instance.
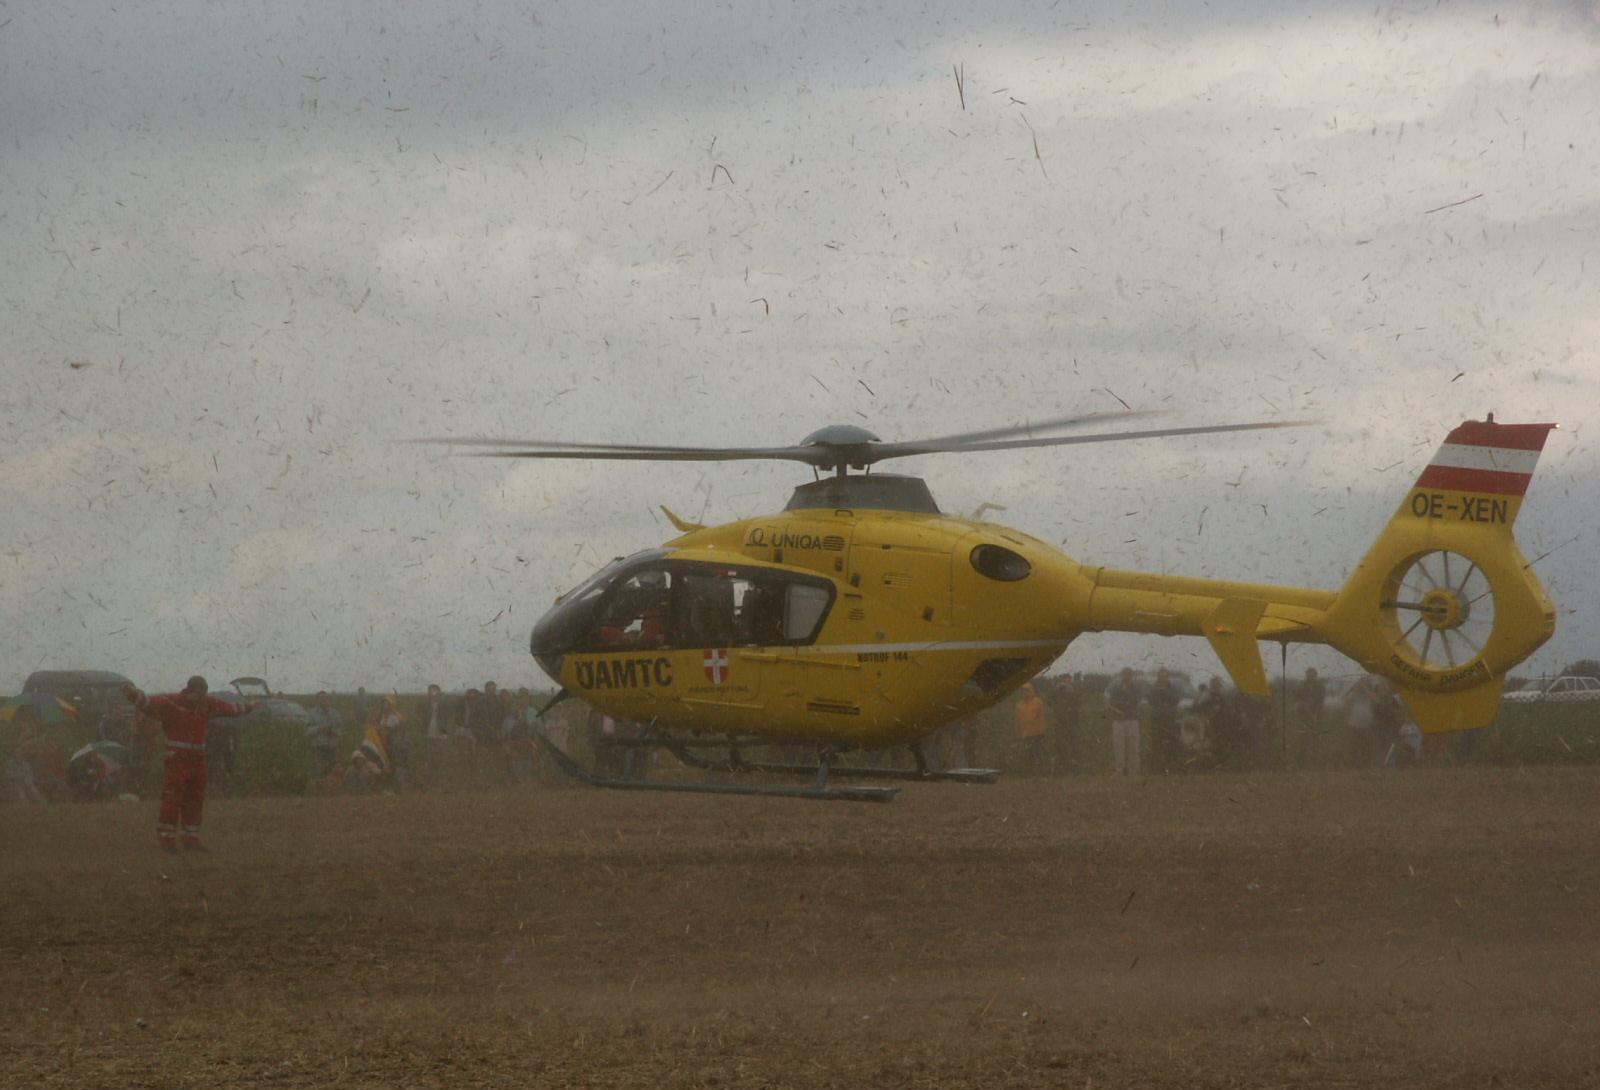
(28, 772)
(184, 716)
(97, 770)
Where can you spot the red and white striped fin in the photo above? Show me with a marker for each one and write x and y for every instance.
(1483, 457)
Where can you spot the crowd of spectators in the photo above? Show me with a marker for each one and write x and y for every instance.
(46, 762)
(336, 744)
(485, 736)
(1131, 723)
(490, 737)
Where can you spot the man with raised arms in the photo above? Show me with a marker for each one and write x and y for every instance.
(184, 716)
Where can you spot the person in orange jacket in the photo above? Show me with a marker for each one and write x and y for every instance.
(1031, 726)
(184, 716)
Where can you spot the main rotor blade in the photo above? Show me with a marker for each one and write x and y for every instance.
(829, 455)
(1042, 425)
(904, 450)
(632, 452)
(780, 452)
(562, 444)
(597, 451)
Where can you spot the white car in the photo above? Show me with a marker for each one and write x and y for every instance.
(1563, 690)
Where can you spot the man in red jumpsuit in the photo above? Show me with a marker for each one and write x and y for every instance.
(184, 717)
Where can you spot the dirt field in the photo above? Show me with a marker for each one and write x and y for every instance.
(1363, 930)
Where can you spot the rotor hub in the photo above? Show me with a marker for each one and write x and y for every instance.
(1444, 609)
(839, 435)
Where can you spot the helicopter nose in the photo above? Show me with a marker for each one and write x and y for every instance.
(548, 657)
(549, 643)
(551, 665)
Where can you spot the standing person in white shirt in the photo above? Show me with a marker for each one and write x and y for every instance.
(1122, 706)
(432, 721)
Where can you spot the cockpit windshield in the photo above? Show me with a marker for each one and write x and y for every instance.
(574, 613)
(601, 579)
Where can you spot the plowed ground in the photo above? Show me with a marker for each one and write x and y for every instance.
(1426, 928)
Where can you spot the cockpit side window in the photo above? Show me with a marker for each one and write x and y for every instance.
(636, 611)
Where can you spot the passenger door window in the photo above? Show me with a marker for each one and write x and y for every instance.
(805, 606)
(725, 607)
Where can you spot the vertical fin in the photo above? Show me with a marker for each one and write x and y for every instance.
(1479, 474)
(1231, 629)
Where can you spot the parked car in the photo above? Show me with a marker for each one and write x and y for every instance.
(276, 709)
(1563, 690)
(270, 708)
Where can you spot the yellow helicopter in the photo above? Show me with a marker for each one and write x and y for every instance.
(861, 616)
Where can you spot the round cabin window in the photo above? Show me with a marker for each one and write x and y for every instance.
(999, 562)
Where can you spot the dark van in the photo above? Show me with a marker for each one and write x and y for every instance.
(95, 693)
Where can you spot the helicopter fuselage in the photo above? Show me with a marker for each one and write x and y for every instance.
(866, 627)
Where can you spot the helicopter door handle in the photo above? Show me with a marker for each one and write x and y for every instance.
(834, 664)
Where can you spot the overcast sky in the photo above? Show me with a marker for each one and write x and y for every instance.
(249, 247)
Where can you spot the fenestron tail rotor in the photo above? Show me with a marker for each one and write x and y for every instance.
(1442, 604)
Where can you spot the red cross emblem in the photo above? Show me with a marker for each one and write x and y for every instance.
(716, 663)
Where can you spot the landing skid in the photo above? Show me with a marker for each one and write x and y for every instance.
(922, 773)
(819, 789)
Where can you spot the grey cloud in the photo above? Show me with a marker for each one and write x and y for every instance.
(291, 244)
